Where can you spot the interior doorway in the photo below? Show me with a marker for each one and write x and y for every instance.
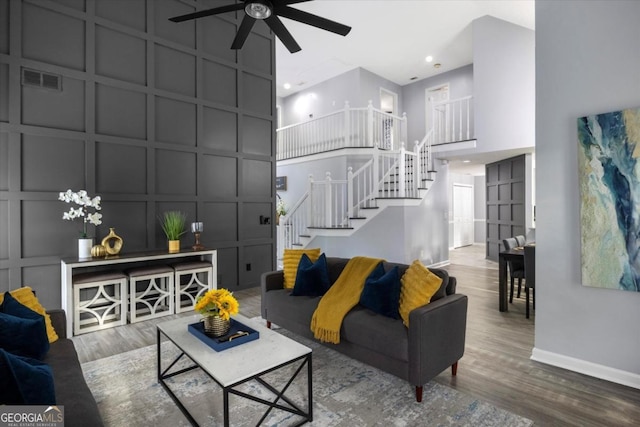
(389, 104)
(462, 215)
(433, 95)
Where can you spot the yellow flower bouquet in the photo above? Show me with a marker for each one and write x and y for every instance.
(217, 303)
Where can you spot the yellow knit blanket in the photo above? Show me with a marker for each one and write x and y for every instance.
(340, 298)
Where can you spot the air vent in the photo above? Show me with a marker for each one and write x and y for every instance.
(41, 79)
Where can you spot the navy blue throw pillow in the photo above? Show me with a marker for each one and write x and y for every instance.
(312, 279)
(381, 293)
(25, 381)
(24, 337)
(34, 344)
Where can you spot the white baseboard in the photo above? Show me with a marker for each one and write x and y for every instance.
(440, 264)
(588, 368)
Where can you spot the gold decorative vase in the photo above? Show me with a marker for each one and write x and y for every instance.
(216, 326)
(112, 243)
(174, 246)
(98, 251)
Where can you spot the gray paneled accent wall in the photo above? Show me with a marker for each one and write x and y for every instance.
(505, 183)
(151, 115)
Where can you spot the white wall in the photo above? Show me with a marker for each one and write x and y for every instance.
(504, 91)
(401, 234)
(587, 62)
(460, 85)
(357, 86)
(480, 209)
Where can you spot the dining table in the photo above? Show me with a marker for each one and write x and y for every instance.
(503, 258)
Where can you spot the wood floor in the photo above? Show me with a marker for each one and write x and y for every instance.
(496, 366)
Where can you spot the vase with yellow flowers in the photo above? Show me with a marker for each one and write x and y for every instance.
(216, 307)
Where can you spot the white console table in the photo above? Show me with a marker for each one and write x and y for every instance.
(71, 266)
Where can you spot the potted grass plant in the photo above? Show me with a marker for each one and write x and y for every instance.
(173, 225)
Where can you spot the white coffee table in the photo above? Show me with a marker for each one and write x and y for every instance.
(269, 352)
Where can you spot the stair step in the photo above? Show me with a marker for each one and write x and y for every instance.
(357, 217)
(398, 198)
(305, 235)
(330, 228)
(370, 207)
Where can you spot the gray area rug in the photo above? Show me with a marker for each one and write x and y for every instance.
(345, 393)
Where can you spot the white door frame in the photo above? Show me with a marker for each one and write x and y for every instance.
(428, 102)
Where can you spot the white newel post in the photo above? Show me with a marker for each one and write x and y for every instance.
(370, 124)
(311, 209)
(351, 199)
(403, 128)
(375, 167)
(402, 165)
(327, 201)
(347, 125)
(417, 173)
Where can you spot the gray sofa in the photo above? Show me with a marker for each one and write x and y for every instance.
(80, 408)
(433, 342)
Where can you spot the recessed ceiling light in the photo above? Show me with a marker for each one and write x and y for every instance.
(429, 58)
(436, 65)
(414, 78)
(287, 86)
(466, 161)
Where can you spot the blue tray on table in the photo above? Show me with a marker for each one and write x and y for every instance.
(219, 343)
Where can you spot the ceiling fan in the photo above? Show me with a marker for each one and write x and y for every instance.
(268, 11)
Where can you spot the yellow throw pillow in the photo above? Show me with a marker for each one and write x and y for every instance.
(26, 297)
(290, 263)
(418, 286)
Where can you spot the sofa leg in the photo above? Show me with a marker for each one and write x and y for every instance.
(269, 324)
(418, 393)
(454, 369)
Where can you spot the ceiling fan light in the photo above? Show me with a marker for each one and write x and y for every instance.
(259, 9)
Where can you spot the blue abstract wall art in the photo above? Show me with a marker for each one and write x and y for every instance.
(609, 176)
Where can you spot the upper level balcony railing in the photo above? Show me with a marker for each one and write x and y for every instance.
(347, 128)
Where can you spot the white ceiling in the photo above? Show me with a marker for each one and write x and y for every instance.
(389, 38)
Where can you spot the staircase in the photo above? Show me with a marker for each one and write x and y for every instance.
(393, 176)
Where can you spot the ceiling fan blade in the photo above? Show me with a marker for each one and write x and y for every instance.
(243, 32)
(208, 12)
(313, 20)
(285, 2)
(282, 33)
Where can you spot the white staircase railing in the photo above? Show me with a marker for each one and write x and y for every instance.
(453, 120)
(392, 172)
(346, 128)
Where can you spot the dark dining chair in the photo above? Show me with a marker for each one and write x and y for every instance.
(516, 267)
(520, 240)
(530, 275)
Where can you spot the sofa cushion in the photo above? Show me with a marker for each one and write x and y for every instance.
(297, 309)
(418, 286)
(375, 332)
(312, 278)
(23, 336)
(290, 262)
(26, 297)
(381, 293)
(25, 381)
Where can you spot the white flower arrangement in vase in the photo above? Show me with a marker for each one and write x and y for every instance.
(85, 202)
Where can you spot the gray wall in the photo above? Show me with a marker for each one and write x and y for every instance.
(587, 62)
(460, 85)
(152, 116)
